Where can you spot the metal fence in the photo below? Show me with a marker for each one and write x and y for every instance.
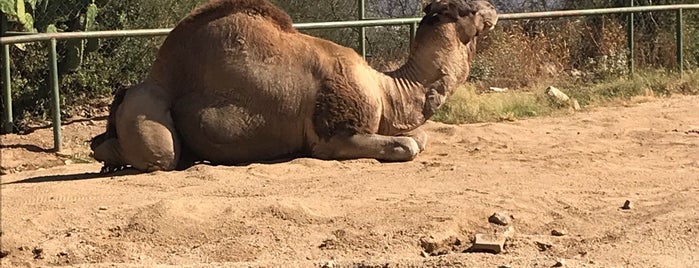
(362, 24)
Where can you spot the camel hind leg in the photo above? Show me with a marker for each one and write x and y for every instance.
(146, 136)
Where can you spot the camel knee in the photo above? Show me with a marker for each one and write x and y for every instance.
(419, 136)
(146, 131)
(108, 153)
(402, 149)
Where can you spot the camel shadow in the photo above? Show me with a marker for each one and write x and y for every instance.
(75, 177)
(28, 147)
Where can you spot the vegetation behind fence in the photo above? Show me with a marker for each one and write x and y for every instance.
(518, 54)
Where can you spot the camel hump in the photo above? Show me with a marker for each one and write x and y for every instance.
(220, 8)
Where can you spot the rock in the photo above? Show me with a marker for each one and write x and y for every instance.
(498, 89)
(561, 99)
(499, 219)
(557, 95)
(488, 243)
(329, 264)
(509, 232)
(38, 253)
(103, 208)
(4, 253)
(543, 246)
(558, 232)
(560, 263)
(627, 205)
(575, 104)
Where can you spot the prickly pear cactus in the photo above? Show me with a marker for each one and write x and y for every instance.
(75, 49)
(90, 25)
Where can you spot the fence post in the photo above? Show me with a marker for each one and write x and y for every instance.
(630, 38)
(361, 4)
(680, 60)
(7, 90)
(53, 67)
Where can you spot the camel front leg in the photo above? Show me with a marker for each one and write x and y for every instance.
(380, 147)
(419, 135)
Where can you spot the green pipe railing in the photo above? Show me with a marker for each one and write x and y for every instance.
(361, 4)
(54, 37)
(678, 30)
(630, 40)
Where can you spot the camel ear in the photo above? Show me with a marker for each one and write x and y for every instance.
(450, 9)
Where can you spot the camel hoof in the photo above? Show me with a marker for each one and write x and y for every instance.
(108, 169)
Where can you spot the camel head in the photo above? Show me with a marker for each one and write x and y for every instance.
(471, 17)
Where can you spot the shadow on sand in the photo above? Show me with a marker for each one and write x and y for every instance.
(131, 171)
(75, 177)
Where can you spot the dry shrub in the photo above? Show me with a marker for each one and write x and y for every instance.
(526, 53)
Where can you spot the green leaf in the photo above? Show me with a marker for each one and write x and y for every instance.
(51, 28)
(92, 44)
(90, 17)
(8, 7)
(23, 17)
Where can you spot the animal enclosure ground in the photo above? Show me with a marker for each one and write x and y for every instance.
(566, 174)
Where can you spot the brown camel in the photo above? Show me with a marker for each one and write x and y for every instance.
(234, 82)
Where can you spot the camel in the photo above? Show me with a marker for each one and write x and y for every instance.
(234, 82)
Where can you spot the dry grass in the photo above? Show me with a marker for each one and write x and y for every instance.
(469, 106)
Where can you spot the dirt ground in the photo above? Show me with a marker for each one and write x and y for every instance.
(570, 174)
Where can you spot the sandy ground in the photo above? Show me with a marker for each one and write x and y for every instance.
(570, 173)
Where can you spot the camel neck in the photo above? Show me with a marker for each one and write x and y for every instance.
(417, 89)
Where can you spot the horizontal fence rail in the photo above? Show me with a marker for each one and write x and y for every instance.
(344, 24)
(18, 38)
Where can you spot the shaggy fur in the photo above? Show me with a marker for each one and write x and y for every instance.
(340, 110)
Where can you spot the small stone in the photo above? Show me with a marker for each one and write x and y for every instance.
(557, 95)
(37, 251)
(103, 208)
(575, 104)
(4, 253)
(560, 263)
(558, 232)
(499, 219)
(425, 254)
(68, 162)
(509, 232)
(504, 266)
(488, 243)
(543, 246)
(329, 264)
(627, 205)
